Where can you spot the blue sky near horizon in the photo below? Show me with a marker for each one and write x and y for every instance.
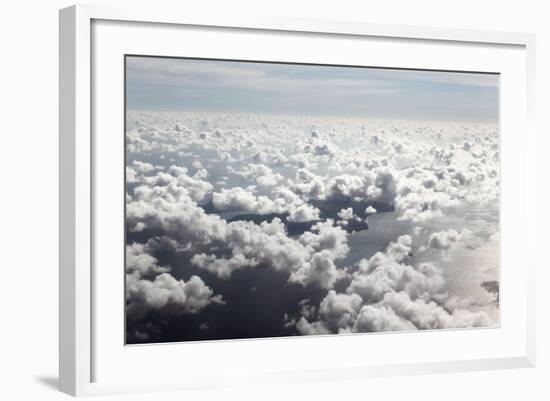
(174, 84)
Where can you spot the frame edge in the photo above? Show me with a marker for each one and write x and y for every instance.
(74, 201)
(75, 340)
(530, 54)
(67, 112)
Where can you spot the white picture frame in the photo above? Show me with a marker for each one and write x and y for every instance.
(77, 368)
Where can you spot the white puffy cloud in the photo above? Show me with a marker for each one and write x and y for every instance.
(446, 240)
(140, 262)
(423, 170)
(282, 201)
(142, 167)
(387, 292)
(172, 186)
(370, 210)
(425, 314)
(222, 267)
(159, 204)
(309, 260)
(294, 205)
(319, 147)
(150, 286)
(417, 203)
(173, 213)
(339, 311)
(136, 171)
(301, 160)
(380, 318)
(388, 272)
(350, 186)
(326, 236)
(261, 175)
(375, 184)
(242, 200)
(372, 169)
(303, 213)
(320, 270)
(346, 214)
(309, 184)
(165, 290)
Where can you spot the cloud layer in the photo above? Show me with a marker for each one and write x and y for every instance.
(213, 197)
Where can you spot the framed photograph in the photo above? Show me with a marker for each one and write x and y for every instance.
(278, 200)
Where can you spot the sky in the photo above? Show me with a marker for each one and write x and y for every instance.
(178, 84)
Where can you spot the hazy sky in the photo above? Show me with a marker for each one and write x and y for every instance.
(172, 84)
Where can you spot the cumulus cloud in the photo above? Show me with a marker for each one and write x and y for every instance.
(418, 204)
(240, 199)
(370, 210)
(282, 201)
(140, 263)
(151, 287)
(261, 175)
(346, 214)
(326, 236)
(320, 271)
(304, 213)
(172, 211)
(136, 170)
(309, 259)
(430, 315)
(380, 318)
(172, 186)
(309, 184)
(389, 272)
(377, 183)
(446, 240)
(161, 204)
(423, 171)
(338, 311)
(222, 267)
(388, 292)
(165, 290)
(142, 167)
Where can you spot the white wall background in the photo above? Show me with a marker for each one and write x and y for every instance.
(29, 185)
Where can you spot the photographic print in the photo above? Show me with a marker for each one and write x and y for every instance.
(277, 199)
